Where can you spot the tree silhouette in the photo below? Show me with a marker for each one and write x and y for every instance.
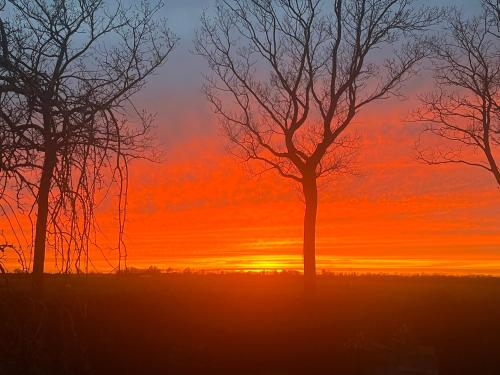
(289, 77)
(464, 110)
(68, 70)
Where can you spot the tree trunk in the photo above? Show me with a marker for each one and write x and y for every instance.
(311, 200)
(487, 111)
(41, 221)
(493, 165)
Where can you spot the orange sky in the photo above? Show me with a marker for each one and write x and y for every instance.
(204, 209)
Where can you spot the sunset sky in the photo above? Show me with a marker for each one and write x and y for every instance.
(204, 209)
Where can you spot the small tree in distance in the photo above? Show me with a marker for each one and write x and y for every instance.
(289, 78)
(464, 112)
(68, 70)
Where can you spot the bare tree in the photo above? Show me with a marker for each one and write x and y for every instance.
(464, 111)
(493, 16)
(68, 70)
(289, 77)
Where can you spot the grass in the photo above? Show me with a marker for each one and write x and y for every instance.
(251, 324)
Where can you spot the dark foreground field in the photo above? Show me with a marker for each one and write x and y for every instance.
(251, 324)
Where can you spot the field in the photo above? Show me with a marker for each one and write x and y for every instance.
(251, 324)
